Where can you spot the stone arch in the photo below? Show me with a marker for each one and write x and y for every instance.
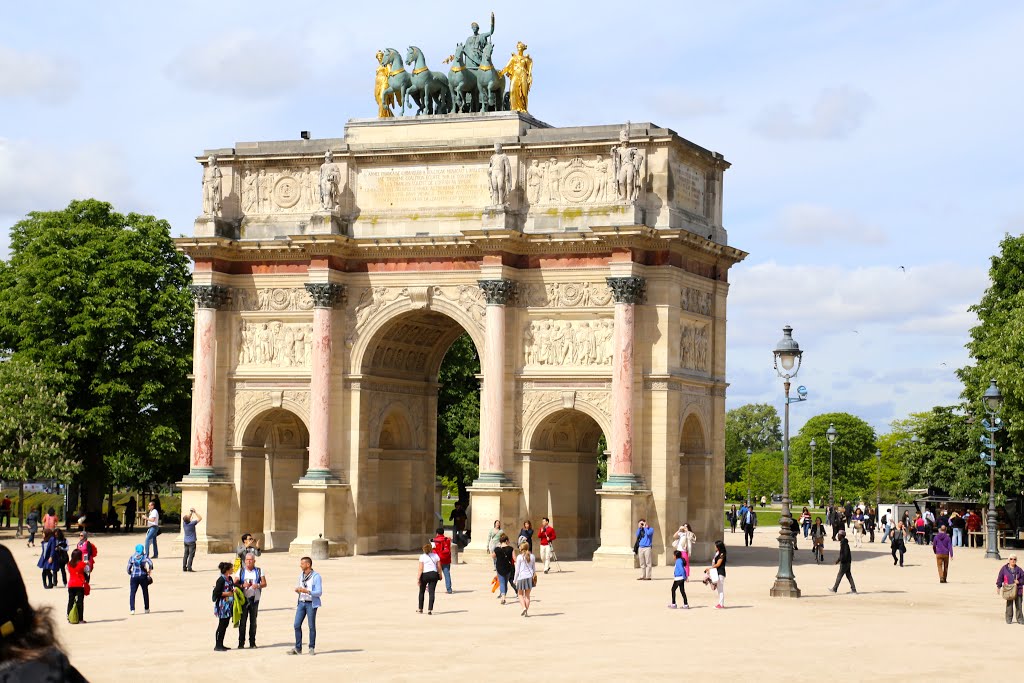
(694, 476)
(554, 405)
(395, 429)
(560, 474)
(249, 406)
(273, 455)
(692, 435)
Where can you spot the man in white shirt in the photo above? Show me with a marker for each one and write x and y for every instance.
(252, 581)
(152, 529)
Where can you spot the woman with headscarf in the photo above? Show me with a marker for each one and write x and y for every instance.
(29, 650)
(140, 571)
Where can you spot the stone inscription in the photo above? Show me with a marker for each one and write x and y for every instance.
(423, 187)
(689, 187)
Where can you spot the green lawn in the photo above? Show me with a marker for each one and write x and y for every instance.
(171, 504)
(769, 516)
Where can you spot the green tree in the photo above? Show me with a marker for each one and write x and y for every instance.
(854, 467)
(756, 426)
(102, 298)
(997, 346)
(458, 415)
(945, 455)
(34, 427)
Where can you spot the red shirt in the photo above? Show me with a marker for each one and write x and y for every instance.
(546, 534)
(76, 575)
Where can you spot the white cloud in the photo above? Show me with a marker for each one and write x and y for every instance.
(243, 65)
(836, 114)
(811, 225)
(24, 74)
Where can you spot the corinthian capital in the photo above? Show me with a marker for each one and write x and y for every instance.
(325, 294)
(209, 296)
(498, 291)
(627, 290)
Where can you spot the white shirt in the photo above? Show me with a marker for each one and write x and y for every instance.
(430, 562)
(154, 518)
(250, 575)
(524, 569)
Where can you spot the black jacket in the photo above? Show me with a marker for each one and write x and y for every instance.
(845, 556)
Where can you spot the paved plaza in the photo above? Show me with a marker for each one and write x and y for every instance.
(585, 620)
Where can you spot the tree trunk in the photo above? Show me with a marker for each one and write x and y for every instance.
(21, 505)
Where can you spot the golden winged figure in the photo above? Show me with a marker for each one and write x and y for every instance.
(520, 71)
(384, 102)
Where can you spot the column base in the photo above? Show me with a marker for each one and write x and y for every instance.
(487, 503)
(326, 510)
(492, 480)
(620, 482)
(784, 588)
(211, 495)
(621, 509)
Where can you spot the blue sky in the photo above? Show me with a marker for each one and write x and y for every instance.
(863, 137)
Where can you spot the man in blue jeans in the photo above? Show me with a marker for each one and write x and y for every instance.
(152, 529)
(309, 588)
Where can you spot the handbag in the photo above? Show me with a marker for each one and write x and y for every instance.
(87, 588)
(149, 579)
(534, 580)
(1008, 591)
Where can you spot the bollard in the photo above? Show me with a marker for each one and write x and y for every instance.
(455, 553)
(320, 549)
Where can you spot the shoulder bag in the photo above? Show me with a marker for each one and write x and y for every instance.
(1008, 591)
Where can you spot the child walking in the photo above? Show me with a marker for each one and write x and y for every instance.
(680, 574)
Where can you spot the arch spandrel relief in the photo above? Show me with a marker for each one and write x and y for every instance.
(271, 299)
(564, 295)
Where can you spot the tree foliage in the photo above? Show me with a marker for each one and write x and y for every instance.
(854, 468)
(997, 347)
(458, 414)
(102, 299)
(756, 426)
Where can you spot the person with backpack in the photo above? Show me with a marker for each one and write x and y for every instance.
(252, 581)
(77, 584)
(887, 523)
(443, 547)
(223, 603)
(140, 573)
(679, 579)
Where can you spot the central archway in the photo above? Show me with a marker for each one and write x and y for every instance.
(561, 470)
(399, 408)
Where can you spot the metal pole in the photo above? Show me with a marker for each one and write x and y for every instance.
(748, 475)
(993, 523)
(785, 581)
(812, 477)
(831, 498)
(878, 494)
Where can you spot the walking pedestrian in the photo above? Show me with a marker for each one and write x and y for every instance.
(89, 553)
(188, 538)
(33, 526)
(48, 559)
(1011, 575)
(492, 540)
(504, 565)
(645, 538)
(223, 603)
(718, 563)
(309, 590)
(5, 512)
(129, 514)
(526, 533)
(845, 563)
(887, 524)
(679, 575)
(28, 647)
(818, 540)
(764, 501)
(50, 520)
(140, 573)
(525, 577)
(152, 530)
(547, 537)
(733, 518)
(869, 523)
(805, 522)
(252, 581)
(749, 524)
(443, 547)
(942, 546)
(428, 577)
(898, 542)
(61, 557)
(77, 583)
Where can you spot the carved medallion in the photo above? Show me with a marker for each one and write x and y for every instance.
(287, 192)
(577, 184)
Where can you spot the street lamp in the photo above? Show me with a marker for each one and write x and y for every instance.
(993, 403)
(749, 453)
(813, 446)
(831, 434)
(788, 357)
(878, 494)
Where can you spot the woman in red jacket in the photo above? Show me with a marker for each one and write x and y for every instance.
(76, 584)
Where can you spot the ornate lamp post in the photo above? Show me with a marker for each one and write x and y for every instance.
(813, 446)
(831, 435)
(878, 493)
(749, 453)
(993, 403)
(787, 363)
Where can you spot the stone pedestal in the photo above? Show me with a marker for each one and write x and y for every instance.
(621, 509)
(211, 497)
(327, 223)
(486, 504)
(324, 506)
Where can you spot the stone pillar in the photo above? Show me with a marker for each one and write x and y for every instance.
(497, 293)
(325, 295)
(627, 292)
(208, 299)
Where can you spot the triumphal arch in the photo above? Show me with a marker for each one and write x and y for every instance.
(589, 267)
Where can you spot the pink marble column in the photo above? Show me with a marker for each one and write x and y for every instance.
(627, 292)
(208, 299)
(497, 293)
(325, 296)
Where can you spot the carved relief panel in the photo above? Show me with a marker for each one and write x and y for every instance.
(275, 343)
(693, 347)
(271, 299)
(565, 294)
(577, 180)
(568, 343)
(276, 190)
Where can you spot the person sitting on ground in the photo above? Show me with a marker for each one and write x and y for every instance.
(29, 650)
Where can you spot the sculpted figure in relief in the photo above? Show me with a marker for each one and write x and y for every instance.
(567, 343)
(274, 343)
(330, 179)
(250, 195)
(213, 188)
(628, 167)
(500, 176)
(264, 184)
(600, 167)
(553, 174)
(534, 180)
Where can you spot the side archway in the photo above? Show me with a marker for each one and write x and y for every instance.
(695, 464)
